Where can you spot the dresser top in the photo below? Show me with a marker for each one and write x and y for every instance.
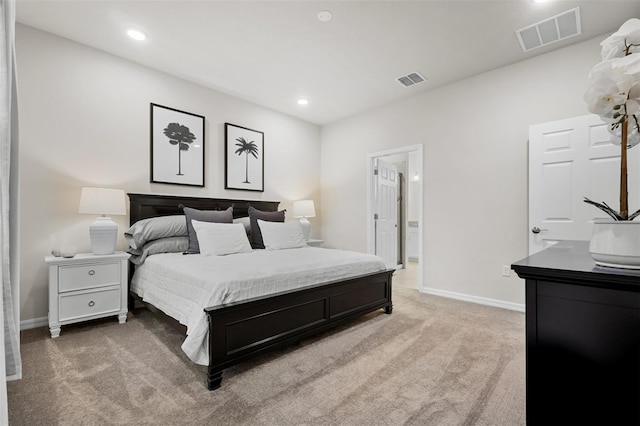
(570, 260)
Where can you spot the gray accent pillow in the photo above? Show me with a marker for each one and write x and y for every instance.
(217, 216)
(153, 228)
(245, 222)
(162, 245)
(256, 234)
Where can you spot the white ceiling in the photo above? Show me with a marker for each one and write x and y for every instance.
(274, 52)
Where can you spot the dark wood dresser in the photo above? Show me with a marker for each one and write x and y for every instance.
(583, 339)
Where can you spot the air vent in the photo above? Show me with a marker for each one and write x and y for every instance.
(556, 28)
(411, 79)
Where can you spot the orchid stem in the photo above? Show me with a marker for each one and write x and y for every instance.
(624, 195)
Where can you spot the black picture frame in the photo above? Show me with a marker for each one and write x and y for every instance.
(243, 158)
(177, 146)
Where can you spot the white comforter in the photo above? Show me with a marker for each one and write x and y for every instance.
(183, 285)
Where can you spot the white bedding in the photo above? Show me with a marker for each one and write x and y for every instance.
(183, 285)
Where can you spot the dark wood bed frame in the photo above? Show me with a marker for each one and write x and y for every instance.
(239, 331)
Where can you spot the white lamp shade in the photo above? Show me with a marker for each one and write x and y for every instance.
(102, 201)
(304, 208)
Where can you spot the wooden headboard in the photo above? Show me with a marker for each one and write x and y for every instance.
(143, 206)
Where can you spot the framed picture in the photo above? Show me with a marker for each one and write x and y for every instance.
(177, 146)
(244, 158)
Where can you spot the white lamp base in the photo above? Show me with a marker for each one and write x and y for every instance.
(103, 233)
(306, 227)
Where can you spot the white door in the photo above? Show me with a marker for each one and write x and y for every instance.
(568, 160)
(386, 214)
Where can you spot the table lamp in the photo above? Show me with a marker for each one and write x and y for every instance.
(303, 209)
(104, 231)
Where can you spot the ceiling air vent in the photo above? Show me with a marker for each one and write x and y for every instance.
(556, 28)
(411, 79)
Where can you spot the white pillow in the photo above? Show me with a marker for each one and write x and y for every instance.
(281, 235)
(218, 239)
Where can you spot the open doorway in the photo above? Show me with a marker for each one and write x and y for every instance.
(394, 211)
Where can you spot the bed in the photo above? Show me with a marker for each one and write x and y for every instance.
(236, 330)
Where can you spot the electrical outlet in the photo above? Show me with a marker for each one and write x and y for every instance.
(506, 271)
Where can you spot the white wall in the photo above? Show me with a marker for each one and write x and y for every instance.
(84, 121)
(475, 166)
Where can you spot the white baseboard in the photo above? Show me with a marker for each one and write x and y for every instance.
(474, 299)
(44, 321)
(34, 323)
(14, 377)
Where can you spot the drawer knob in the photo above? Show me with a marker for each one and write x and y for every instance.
(92, 303)
(92, 272)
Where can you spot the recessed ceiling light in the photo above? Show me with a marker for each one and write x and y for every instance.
(303, 102)
(136, 35)
(324, 16)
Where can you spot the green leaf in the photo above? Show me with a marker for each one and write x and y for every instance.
(605, 208)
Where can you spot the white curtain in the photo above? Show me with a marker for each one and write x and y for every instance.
(10, 363)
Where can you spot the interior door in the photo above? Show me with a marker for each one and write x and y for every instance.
(386, 214)
(568, 160)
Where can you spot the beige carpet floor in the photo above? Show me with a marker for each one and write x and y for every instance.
(434, 361)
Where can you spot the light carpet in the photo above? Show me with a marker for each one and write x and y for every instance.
(433, 361)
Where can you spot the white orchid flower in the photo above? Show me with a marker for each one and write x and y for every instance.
(614, 95)
(606, 70)
(628, 66)
(603, 97)
(632, 107)
(616, 44)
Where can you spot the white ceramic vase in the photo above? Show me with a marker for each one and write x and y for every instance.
(616, 244)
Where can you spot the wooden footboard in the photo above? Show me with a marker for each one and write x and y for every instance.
(242, 330)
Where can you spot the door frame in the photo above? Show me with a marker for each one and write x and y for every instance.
(371, 162)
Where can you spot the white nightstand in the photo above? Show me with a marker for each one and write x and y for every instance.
(315, 243)
(86, 287)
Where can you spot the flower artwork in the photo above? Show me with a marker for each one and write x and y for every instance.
(181, 136)
(614, 95)
(177, 146)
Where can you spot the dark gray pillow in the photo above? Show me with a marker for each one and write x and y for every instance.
(217, 216)
(254, 215)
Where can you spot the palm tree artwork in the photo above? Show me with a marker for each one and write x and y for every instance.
(246, 148)
(182, 137)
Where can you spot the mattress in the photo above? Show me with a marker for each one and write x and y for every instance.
(183, 285)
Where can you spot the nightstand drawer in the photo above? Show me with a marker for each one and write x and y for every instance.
(79, 277)
(77, 305)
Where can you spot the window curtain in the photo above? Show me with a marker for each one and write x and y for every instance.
(12, 367)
